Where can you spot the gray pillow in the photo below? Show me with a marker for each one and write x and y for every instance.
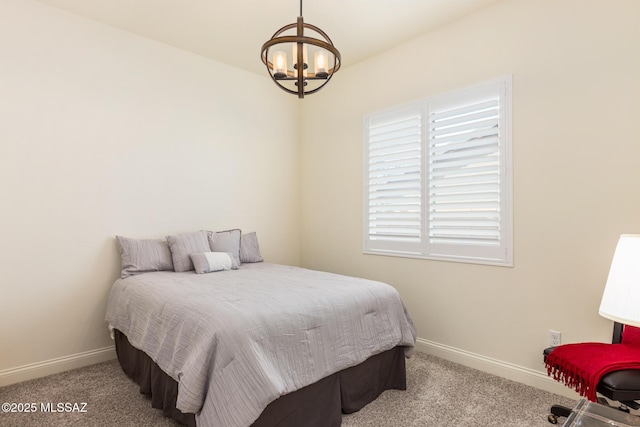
(209, 262)
(249, 249)
(183, 245)
(226, 241)
(143, 255)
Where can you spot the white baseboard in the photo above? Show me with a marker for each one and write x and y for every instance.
(502, 369)
(54, 366)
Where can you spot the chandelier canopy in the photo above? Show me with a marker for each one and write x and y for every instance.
(306, 41)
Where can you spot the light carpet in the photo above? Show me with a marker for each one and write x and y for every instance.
(439, 394)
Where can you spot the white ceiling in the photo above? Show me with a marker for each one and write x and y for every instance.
(233, 31)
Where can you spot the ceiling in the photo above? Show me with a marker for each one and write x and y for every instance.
(233, 31)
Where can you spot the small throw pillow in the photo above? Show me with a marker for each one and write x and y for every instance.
(249, 249)
(183, 245)
(143, 255)
(226, 241)
(213, 261)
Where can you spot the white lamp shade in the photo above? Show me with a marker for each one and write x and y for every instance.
(621, 298)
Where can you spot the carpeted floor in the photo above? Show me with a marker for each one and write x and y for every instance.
(440, 394)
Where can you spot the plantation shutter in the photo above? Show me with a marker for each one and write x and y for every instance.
(394, 180)
(437, 179)
(465, 174)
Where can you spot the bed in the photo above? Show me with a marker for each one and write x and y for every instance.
(263, 345)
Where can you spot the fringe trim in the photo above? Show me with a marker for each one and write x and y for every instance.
(573, 377)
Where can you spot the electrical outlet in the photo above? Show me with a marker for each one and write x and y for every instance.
(554, 338)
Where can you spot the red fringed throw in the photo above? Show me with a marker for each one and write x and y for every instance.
(581, 366)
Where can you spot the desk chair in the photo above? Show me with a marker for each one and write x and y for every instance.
(620, 386)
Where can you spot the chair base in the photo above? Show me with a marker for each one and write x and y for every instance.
(558, 411)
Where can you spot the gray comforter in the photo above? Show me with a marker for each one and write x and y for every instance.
(237, 340)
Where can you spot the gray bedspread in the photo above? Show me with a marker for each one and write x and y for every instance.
(237, 340)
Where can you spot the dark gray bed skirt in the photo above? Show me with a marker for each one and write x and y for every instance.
(318, 405)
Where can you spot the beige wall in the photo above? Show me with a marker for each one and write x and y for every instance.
(104, 133)
(576, 86)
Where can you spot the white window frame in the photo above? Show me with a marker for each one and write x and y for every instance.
(422, 241)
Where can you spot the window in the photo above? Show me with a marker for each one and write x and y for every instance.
(438, 177)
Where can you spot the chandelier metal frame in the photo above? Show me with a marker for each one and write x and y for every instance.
(299, 66)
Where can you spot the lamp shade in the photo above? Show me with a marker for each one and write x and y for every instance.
(621, 298)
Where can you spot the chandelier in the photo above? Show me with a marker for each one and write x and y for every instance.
(306, 41)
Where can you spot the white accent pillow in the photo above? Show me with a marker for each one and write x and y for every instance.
(208, 262)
